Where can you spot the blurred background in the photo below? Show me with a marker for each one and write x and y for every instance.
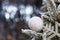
(13, 16)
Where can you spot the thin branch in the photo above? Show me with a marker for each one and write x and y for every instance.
(51, 6)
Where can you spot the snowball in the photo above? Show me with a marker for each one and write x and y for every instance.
(35, 23)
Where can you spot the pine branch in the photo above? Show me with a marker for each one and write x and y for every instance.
(51, 6)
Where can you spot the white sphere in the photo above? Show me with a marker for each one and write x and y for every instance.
(35, 23)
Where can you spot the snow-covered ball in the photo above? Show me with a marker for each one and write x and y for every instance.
(35, 23)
